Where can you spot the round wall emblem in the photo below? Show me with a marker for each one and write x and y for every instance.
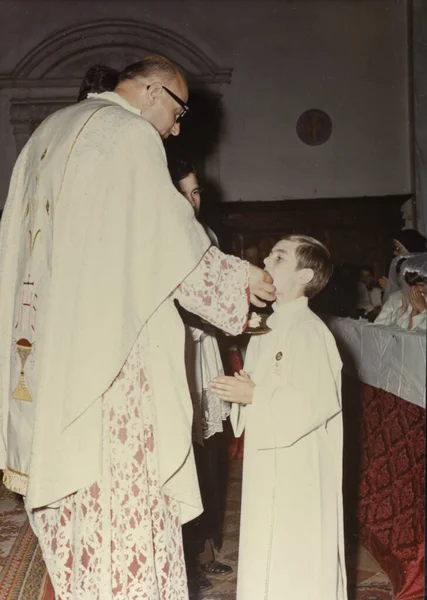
(314, 127)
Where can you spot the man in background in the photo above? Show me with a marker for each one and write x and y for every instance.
(203, 536)
(369, 294)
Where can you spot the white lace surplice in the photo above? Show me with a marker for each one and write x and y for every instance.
(121, 537)
(204, 363)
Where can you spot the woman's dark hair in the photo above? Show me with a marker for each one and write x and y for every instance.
(399, 264)
(97, 79)
(411, 239)
(413, 278)
(179, 169)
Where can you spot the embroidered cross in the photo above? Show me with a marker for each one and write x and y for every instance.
(28, 309)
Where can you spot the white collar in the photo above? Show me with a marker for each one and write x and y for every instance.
(118, 99)
(286, 311)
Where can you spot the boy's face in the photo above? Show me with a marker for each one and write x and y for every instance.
(282, 266)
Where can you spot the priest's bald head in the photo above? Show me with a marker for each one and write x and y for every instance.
(157, 87)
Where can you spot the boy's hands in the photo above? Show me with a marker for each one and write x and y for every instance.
(237, 389)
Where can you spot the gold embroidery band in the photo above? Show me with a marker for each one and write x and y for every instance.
(72, 148)
(15, 472)
(15, 481)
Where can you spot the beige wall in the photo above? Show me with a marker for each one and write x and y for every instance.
(420, 110)
(347, 57)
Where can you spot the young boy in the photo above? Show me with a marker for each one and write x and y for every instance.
(289, 403)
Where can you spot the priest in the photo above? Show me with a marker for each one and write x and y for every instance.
(95, 414)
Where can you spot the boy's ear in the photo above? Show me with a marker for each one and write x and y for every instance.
(305, 276)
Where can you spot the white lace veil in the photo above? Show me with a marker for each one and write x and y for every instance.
(397, 281)
(416, 264)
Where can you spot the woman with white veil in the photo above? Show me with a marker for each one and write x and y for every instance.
(407, 241)
(415, 275)
(399, 299)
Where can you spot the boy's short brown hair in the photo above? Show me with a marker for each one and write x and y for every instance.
(312, 254)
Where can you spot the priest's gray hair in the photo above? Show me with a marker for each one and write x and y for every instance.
(151, 66)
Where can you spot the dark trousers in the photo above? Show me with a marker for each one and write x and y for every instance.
(212, 471)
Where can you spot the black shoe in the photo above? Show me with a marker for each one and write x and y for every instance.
(202, 582)
(216, 568)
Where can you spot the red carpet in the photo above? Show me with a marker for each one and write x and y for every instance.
(24, 576)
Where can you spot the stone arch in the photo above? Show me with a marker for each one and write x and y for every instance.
(48, 77)
(62, 58)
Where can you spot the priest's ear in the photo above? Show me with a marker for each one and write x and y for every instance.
(154, 91)
(304, 276)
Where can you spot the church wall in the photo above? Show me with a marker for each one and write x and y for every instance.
(420, 110)
(346, 57)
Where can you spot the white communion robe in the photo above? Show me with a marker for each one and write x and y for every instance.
(417, 323)
(292, 537)
(390, 309)
(391, 314)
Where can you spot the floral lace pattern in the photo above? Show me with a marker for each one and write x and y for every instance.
(121, 537)
(218, 291)
(227, 309)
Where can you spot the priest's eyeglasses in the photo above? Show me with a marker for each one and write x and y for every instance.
(185, 107)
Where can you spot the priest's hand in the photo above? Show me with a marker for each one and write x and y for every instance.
(261, 286)
(238, 389)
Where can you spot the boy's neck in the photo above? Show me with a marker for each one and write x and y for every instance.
(288, 297)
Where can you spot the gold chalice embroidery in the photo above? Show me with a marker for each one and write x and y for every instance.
(23, 347)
